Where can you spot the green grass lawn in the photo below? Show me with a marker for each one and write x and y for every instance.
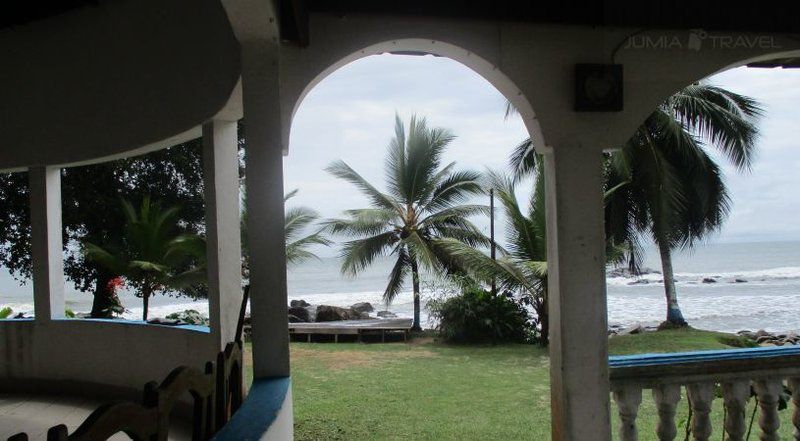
(429, 391)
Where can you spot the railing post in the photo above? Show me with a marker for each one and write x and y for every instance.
(666, 397)
(735, 394)
(701, 395)
(794, 386)
(628, 399)
(769, 392)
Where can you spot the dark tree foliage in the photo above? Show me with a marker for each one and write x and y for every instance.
(91, 199)
(15, 221)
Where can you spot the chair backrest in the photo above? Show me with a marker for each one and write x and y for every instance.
(242, 312)
(201, 387)
(230, 382)
(22, 436)
(139, 422)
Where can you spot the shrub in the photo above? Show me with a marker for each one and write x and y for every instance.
(5, 312)
(477, 316)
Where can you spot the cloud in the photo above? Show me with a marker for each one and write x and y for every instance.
(350, 116)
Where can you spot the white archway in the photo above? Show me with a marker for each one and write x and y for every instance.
(292, 99)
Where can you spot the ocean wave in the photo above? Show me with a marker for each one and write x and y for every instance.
(690, 278)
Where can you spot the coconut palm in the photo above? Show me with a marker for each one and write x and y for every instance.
(297, 220)
(153, 256)
(522, 265)
(423, 202)
(663, 182)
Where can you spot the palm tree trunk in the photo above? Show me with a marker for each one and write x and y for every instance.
(674, 315)
(415, 282)
(145, 303)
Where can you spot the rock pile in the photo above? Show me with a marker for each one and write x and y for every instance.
(765, 338)
(301, 311)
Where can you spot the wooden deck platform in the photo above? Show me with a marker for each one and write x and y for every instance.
(358, 328)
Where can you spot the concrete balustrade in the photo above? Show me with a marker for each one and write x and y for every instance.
(732, 376)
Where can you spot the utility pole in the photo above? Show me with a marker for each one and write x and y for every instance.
(491, 235)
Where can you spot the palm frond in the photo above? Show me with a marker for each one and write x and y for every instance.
(360, 253)
(340, 169)
(398, 274)
(297, 250)
(728, 121)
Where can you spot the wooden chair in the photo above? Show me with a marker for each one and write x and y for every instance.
(242, 312)
(201, 387)
(230, 382)
(139, 422)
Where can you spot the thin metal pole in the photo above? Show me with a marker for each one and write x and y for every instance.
(491, 234)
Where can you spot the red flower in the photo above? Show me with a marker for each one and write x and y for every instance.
(115, 284)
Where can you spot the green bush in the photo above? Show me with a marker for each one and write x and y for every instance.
(477, 316)
(6, 312)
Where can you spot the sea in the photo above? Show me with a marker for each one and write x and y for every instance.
(756, 286)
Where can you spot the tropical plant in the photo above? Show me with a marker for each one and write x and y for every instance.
(423, 202)
(90, 193)
(663, 182)
(299, 241)
(153, 255)
(476, 315)
(522, 265)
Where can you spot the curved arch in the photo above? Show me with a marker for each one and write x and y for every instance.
(754, 59)
(480, 65)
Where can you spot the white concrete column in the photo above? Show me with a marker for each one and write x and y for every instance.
(48, 263)
(577, 294)
(265, 217)
(223, 238)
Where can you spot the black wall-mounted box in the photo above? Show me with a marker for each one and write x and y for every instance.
(598, 87)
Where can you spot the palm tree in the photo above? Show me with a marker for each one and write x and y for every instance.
(297, 220)
(153, 256)
(522, 266)
(423, 202)
(664, 184)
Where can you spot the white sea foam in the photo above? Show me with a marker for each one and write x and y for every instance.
(770, 299)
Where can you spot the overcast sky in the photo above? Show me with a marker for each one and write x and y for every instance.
(350, 115)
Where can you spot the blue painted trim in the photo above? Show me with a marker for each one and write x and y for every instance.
(621, 361)
(264, 400)
(196, 328)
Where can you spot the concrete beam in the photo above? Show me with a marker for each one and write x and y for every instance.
(577, 296)
(48, 263)
(265, 215)
(223, 236)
